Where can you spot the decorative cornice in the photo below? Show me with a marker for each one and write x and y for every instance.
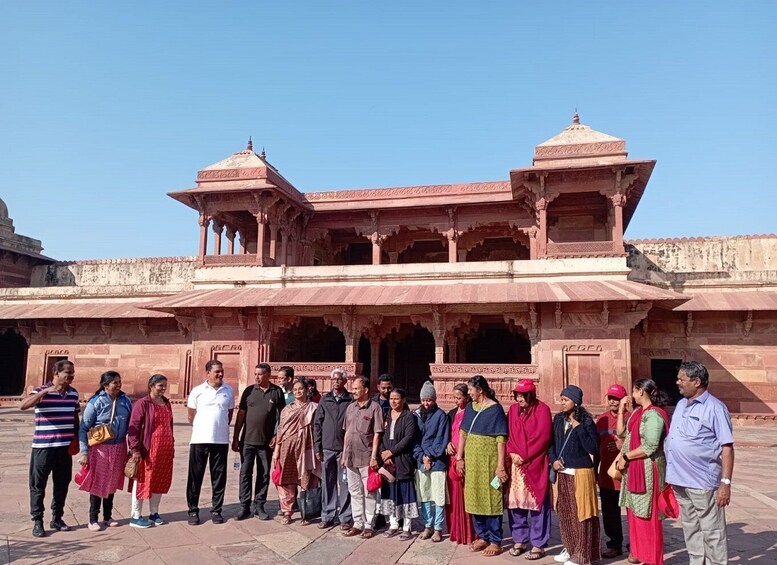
(410, 191)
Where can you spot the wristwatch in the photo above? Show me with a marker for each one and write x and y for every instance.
(725, 482)
(626, 457)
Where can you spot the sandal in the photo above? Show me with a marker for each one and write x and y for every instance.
(352, 532)
(367, 534)
(478, 545)
(426, 534)
(437, 536)
(285, 520)
(304, 522)
(518, 549)
(390, 533)
(405, 536)
(325, 525)
(534, 554)
(492, 550)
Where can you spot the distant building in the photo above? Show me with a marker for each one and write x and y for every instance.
(522, 278)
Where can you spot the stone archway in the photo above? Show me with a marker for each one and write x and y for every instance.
(412, 356)
(311, 340)
(13, 360)
(498, 343)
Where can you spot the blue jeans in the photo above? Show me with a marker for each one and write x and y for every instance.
(432, 518)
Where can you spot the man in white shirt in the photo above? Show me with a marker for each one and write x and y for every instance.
(210, 408)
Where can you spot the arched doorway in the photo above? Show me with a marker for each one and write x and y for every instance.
(414, 352)
(312, 340)
(13, 360)
(498, 343)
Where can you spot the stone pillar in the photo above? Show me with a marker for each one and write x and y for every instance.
(532, 233)
(218, 228)
(273, 243)
(204, 223)
(462, 254)
(393, 257)
(243, 242)
(351, 346)
(617, 229)
(264, 321)
(439, 347)
(293, 247)
(377, 244)
(453, 349)
(284, 246)
(374, 358)
(542, 247)
(391, 346)
(230, 240)
(453, 246)
(261, 222)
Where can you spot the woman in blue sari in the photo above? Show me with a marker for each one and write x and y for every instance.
(481, 461)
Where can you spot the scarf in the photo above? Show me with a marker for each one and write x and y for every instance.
(636, 474)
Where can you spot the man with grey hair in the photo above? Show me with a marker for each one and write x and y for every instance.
(328, 435)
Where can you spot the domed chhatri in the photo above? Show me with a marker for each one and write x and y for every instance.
(580, 144)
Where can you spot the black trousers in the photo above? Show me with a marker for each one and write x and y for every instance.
(250, 456)
(94, 508)
(213, 455)
(45, 461)
(611, 517)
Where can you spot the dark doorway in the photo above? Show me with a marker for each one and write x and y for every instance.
(313, 341)
(664, 373)
(13, 360)
(495, 343)
(411, 364)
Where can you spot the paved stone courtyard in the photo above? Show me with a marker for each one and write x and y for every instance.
(752, 519)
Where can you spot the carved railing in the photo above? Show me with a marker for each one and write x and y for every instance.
(247, 259)
(501, 377)
(578, 248)
(319, 371)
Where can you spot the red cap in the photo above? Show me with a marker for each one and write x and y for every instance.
(618, 391)
(525, 385)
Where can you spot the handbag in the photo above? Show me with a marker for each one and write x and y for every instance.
(275, 476)
(73, 448)
(102, 432)
(374, 480)
(131, 468)
(309, 502)
(552, 473)
(613, 471)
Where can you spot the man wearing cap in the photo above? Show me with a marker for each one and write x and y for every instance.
(609, 489)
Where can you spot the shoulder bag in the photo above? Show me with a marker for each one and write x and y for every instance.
(552, 474)
(102, 432)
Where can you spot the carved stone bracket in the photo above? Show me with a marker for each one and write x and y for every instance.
(635, 313)
(520, 319)
(688, 324)
(558, 315)
(24, 329)
(644, 327)
(605, 314)
(106, 327)
(242, 319)
(143, 326)
(185, 324)
(70, 327)
(207, 320)
(40, 328)
(534, 326)
(747, 324)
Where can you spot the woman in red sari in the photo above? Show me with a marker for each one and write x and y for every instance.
(459, 522)
(294, 451)
(530, 432)
(643, 463)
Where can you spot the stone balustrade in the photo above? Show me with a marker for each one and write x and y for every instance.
(501, 377)
(578, 248)
(319, 371)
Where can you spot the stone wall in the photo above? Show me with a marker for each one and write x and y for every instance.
(749, 261)
(740, 356)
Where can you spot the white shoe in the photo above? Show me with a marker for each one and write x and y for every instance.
(562, 557)
(570, 562)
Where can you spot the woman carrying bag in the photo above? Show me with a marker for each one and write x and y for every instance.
(103, 442)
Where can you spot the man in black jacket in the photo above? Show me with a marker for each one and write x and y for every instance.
(328, 435)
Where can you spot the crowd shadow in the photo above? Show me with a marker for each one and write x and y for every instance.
(16, 549)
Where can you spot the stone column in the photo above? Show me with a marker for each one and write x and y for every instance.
(617, 229)
(261, 222)
(374, 358)
(351, 346)
(453, 246)
(293, 247)
(243, 242)
(218, 228)
(204, 223)
(273, 243)
(393, 257)
(264, 321)
(230, 240)
(453, 349)
(542, 247)
(377, 244)
(284, 246)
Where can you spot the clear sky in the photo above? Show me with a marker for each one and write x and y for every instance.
(105, 106)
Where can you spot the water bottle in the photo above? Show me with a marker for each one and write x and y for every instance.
(236, 464)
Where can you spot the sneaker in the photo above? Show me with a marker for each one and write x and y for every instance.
(244, 514)
(37, 529)
(260, 514)
(59, 525)
(194, 518)
(95, 526)
(562, 557)
(140, 523)
(157, 520)
(217, 518)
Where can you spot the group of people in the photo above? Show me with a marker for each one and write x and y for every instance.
(354, 458)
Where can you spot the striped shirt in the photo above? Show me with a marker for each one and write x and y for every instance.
(55, 418)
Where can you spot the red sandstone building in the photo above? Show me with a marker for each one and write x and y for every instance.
(528, 277)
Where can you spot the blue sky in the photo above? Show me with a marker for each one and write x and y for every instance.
(106, 107)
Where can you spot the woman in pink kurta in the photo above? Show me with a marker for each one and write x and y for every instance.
(530, 432)
(459, 522)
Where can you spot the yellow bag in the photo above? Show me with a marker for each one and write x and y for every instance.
(101, 432)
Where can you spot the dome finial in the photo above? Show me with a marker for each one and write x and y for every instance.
(263, 155)
(250, 146)
(576, 118)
